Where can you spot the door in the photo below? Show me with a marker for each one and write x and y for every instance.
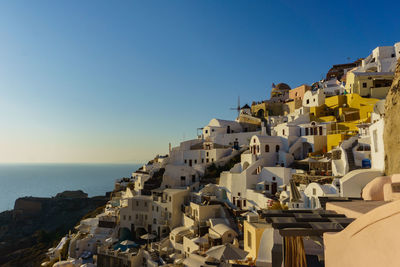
(133, 232)
(274, 188)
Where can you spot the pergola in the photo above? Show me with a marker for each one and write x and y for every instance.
(294, 225)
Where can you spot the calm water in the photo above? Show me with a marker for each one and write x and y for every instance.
(45, 180)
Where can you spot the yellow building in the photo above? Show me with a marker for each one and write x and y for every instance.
(345, 112)
(253, 232)
(264, 109)
(369, 84)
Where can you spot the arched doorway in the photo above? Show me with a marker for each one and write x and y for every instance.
(307, 148)
(260, 113)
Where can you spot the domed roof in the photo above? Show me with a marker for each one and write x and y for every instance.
(282, 86)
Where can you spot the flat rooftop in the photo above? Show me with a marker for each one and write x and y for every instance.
(355, 208)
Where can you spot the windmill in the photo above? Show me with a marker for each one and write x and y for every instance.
(238, 106)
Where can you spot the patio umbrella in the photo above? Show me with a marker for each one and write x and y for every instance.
(227, 252)
(147, 237)
(127, 243)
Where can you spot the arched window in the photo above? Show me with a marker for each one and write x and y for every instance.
(258, 149)
(266, 148)
(277, 148)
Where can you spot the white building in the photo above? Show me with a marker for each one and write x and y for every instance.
(376, 134)
(382, 59)
(315, 190)
(158, 213)
(314, 98)
(332, 87)
(180, 176)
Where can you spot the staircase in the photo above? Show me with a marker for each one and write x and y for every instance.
(350, 157)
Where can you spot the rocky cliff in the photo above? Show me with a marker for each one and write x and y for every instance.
(392, 126)
(36, 224)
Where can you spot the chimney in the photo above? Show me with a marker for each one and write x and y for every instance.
(263, 129)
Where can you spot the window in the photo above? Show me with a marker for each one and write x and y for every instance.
(244, 202)
(193, 178)
(308, 101)
(320, 130)
(258, 149)
(188, 249)
(283, 132)
(137, 203)
(239, 194)
(207, 154)
(183, 178)
(273, 178)
(207, 160)
(170, 198)
(206, 131)
(195, 161)
(154, 221)
(277, 148)
(212, 160)
(229, 235)
(152, 208)
(202, 160)
(212, 130)
(124, 217)
(364, 85)
(393, 55)
(130, 218)
(157, 208)
(306, 131)
(254, 140)
(249, 239)
(313, 99)
(266, 148)
(185, 161)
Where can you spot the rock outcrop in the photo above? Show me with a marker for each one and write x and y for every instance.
(391, 133)
(36, 224)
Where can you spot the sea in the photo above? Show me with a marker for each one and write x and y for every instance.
(46, 180)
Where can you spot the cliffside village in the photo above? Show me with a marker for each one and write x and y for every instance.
(295, 180)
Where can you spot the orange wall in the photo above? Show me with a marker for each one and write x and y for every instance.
(300, 91)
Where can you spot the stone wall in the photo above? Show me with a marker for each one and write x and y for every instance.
(391, 134)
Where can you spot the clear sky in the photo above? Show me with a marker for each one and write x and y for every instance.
(116, 81)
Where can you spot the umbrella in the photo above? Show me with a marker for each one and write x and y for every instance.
(148, 236)
(227, 252)
(127, 243)
(111, 240)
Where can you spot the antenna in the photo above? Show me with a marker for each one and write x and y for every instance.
(238, 106)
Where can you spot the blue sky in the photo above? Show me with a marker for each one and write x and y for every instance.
(116, 81)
